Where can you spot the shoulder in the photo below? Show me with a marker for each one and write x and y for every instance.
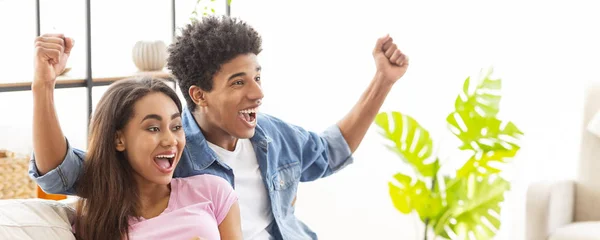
(267, 120)
(201, 188)
(277, 128)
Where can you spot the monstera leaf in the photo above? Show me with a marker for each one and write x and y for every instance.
(483, 133)
(408, 196)
(410, 141)
(474, 120)
(473, 207)
(484, 100)
(479, 163)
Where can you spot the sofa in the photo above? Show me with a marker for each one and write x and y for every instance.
(570, 209)
(31, 219)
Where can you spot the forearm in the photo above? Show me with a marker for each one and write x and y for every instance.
(355, 124)
(49, 142)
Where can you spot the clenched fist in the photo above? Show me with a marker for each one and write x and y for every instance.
(51, 54)
(391, 62)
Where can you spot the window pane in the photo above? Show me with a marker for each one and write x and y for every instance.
(116, 27)
(16, 119)
(68, 17)
(17, 19)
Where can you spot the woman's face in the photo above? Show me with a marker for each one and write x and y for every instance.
(153, 139)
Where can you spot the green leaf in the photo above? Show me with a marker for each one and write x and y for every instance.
(409, 140)
(479, 163)
(212, 10)
(483, 133)
(408, 196)
(484, 100)
(473, 207)
(228, 2)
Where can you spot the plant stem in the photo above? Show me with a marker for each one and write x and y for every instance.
(432, 191)
(426, 225)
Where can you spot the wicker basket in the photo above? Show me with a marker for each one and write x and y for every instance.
(14, 179)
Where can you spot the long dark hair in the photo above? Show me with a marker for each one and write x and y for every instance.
(108, 191)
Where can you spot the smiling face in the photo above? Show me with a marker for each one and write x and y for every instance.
(232, 104)
(153, 139)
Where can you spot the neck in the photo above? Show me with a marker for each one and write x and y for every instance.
(154, 198)
(214, 134)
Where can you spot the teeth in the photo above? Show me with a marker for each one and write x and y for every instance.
(166, 156)
(249, 110)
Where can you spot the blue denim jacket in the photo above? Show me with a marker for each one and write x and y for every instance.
(286, 155)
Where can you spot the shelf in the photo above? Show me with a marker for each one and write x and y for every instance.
(68, 81)
(107, 80)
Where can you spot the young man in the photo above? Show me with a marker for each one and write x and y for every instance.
(264, 158)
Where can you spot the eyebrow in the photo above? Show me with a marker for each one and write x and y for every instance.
(242, 74)
(159, 118)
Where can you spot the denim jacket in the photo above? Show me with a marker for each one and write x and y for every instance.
(286, 155)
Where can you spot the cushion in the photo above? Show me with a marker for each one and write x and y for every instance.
(578, 231)
(35, 219)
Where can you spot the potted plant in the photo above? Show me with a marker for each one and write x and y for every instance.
(205, 7)
(457, 202)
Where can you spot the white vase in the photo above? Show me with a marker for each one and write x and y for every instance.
(150, 55)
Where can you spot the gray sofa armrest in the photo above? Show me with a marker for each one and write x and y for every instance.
(549, 206)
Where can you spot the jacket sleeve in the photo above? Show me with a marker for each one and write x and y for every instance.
(62, 179)
(323, 153)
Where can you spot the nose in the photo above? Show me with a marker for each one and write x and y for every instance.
(256, 93)
(168, 139)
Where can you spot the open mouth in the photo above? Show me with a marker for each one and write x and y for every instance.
(165, 161)
(248, 115)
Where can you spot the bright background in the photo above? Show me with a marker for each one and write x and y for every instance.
(316, 63)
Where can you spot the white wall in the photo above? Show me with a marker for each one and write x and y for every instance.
(317, 60)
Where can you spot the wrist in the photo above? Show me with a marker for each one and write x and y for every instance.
(382, 80)
(41, 87)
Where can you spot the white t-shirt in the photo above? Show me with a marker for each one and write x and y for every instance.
(255, 206)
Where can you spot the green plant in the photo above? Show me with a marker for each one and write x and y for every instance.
(206, 8)
(455, 203)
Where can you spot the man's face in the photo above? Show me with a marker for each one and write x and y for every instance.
(236, 95)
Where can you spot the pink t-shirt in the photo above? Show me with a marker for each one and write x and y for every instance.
(197, 206)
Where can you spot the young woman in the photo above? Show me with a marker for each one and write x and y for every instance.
(127, 186)
(136, 139)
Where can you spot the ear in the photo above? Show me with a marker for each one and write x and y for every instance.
(198, 95)
(120, 142)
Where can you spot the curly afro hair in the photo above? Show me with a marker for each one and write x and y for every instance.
(204, 46)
